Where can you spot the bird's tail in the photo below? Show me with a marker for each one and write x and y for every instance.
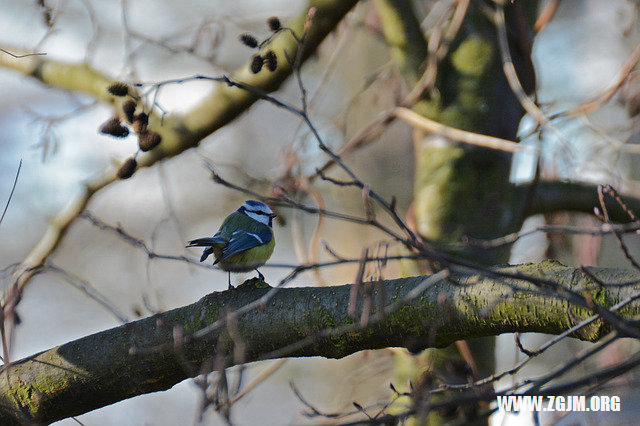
(205, 242)
(210, 243)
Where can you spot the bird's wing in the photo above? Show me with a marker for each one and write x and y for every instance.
(244, 240)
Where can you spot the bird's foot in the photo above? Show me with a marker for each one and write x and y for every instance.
(254, 283)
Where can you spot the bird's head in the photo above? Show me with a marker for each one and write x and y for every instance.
(257, 211)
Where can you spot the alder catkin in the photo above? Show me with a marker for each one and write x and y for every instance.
(118, 89)
(148, 140)
(112, 127)
(128, 168)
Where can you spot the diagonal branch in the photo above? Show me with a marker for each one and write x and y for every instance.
(553, 196)
(144, 356)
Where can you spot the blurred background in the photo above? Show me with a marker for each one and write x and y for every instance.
(349, 81)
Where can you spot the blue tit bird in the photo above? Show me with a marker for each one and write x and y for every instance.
(244, 241)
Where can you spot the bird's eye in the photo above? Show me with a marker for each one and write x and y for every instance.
(260, 212)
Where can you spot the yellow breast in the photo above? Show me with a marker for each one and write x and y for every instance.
(247, 260)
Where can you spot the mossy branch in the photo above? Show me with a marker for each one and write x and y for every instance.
(179, 131)
(154, 354)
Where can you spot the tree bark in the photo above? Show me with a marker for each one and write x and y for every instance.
(155, 353)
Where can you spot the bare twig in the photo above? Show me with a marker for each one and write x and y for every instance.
(605, 218)
(608, 93)
(491, 142)
(510, 71)
(22, 55)
(547, 13)
(13, 188)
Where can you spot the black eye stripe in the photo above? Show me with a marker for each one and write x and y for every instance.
(255, 212)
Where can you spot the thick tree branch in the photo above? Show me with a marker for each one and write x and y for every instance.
(179, 132)
(553, 196)
(155, 353)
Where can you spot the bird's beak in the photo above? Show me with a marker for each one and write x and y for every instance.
(272, 215)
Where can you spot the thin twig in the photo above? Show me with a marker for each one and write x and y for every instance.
(491, 142)
(608, 93)
(13, 188)
(22, 55)
(510, 71)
